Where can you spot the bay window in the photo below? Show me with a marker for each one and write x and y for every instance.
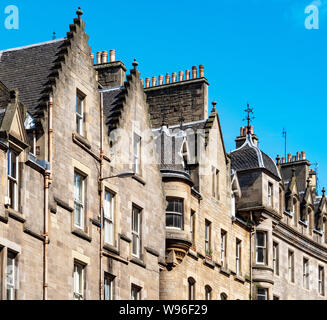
(174, 213)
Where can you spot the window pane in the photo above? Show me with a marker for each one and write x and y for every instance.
(261, 239)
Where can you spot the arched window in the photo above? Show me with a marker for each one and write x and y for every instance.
(208, 292)
(191, 288)
(223, 296)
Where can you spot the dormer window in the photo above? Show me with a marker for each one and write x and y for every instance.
(13, 179)
(80, 98)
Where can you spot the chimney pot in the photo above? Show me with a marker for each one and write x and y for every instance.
(194, 72)
(147, 82)
(201, 71)
(154, 81)
(283, 160)
(92, 58)
(298, 155)
(142, 82)
(173, 77)
(241, 132)
(98, 57)
(180, 76)
(289, 157)
(104, 57)
(251, 129)
(112, 54)
(187, 74)
(293, 158)
(167, 78)
(303, 155)
(160, 80)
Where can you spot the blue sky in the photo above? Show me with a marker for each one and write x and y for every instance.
(253, 51)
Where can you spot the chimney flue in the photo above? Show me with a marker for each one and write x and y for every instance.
(201, 71)
(194, 72)
(167, 78)
(154, 81)
(147, 82)
(160, 80)
(98, 57)
(180, 76)
(173, 77)
(112, 54)
(104, 57)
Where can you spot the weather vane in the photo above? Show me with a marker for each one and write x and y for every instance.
(249, 118)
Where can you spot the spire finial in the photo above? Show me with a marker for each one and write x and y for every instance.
(214, 103)
(135, 64)
(323, 191)
(53, 36)
(79, 12)
(249, 110)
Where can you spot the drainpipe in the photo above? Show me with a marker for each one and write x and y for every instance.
(47, 182)
(252, 231)
(101, 198)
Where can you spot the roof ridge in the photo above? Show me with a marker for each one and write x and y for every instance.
(31, 46)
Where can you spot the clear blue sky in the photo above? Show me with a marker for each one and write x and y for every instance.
(253, 51)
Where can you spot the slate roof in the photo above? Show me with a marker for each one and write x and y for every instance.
(27, 69)
(248, 156)
(111, 99)
(2, 115)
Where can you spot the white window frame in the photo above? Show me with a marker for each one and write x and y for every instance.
(321, 280)
(176, 213)
(306, 273)
(137, 140)
(79, 203)
(136, 232)
(291, 266)
(263, 248)
(238, 256)
(109, 217)
(263, 294)
(80, 115)
(79, 281)
(223, 248)
(276, 258)
(207, 236)
(135, 292)
(11, 276)
(270, 194)
(13, 178)
(108, 287)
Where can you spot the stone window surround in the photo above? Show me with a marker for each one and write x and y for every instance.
(268, 241)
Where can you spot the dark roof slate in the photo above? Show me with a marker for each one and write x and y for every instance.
(111, 99)
(248, 156)
(27, 69)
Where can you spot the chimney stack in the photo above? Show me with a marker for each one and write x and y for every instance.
(112, 54)
(180, 76)
(98, 57)
(160, 80)
(104, 57)
(187, 74)
(201, 71)
(154, 81)
(147, 82)
(173, 77)
(167, 78)
(194, 72)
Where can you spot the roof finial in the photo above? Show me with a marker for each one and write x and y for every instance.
(79, 12)
(53, 36)
(323, 191)
(214, 104)
(248, 110)
(135, 64)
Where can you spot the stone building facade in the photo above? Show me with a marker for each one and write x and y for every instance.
(112, 188)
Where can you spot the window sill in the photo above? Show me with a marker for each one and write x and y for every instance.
(209, 263)
(82, 140)
(125, 238)
(111, 248)
(152, 251)
(81, 234)
(239, 278)
(15, 215)
(139, 179)
(192, 253)
(225, 271)
(138, 262)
